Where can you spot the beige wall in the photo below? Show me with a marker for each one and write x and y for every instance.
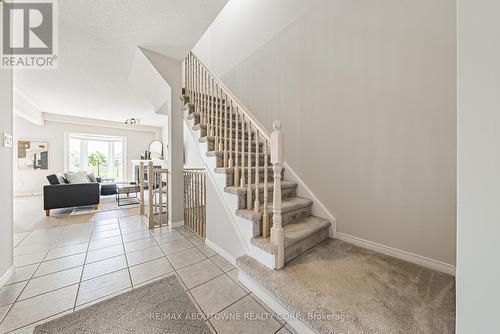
(28, 182)
(6, 248)
(366, 94)
(478, 224)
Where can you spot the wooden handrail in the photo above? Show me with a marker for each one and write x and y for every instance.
(255, 122)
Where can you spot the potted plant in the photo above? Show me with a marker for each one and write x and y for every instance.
(97, 159)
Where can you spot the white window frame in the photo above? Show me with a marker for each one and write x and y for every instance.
(83, 149)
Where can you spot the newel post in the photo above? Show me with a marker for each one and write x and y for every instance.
(277, 159)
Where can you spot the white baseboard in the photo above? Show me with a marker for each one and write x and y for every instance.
(6, 277)
(274, 304)
(398, 253)
(27, 195)
(221, 252)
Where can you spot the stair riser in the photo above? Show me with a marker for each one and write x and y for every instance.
(300, 247)
(285, 194)
(291, 217)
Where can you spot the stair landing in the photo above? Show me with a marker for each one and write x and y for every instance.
(349, 289)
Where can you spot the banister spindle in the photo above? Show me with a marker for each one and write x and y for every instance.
(206, 99)
(249, 167)
(221, 121)
(236, 172)
(265, 215)
(197, 87)
(226, 153)
(217, 120)
(212, 109)
(256, 204)
(242, 170)
(230, 140)
(277, 159)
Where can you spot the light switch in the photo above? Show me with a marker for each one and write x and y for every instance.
(7, 140)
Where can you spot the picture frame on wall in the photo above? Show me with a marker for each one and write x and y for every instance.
(32, 155)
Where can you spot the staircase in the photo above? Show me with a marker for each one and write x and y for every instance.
(247, 161)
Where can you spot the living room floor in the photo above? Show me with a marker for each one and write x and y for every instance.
(77, 263)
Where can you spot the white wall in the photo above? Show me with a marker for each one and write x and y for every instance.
(478, 227)
(366, 94)
(6, 247)
(32, 182)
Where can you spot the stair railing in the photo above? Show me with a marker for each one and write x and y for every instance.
(195, 201)
(225, 120)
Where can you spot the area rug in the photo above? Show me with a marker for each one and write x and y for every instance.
(159, 307)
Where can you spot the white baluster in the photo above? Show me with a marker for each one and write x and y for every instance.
(256, 203)
(243, 126)
(236, 171)
(277, 159)
(265, 215)
(249, 169)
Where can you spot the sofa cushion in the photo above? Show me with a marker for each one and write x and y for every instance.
(57, 178)
(108, 189)
(77, 177)
(91, 177)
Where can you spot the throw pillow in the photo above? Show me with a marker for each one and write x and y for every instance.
(91, 177)
(78, 177)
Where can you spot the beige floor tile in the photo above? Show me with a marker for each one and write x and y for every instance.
(217, 294)
(9, 293)
(291, 329)
(143, 234)
(168, 237)
(63, 263)
(3, 311)
(206, 250)
(139, 244)
(98, 235)
(98, 268)
(22, 273)
(44, 284)
(25, 260)
(104, 253)
(245, 316)
(222, 263)
(144, 255)
(186, 257)
(283, 330)
(150, 270)
(30, 311)
(234, 276)
(66, 251)
(102, 222)
(199, 273)
(107, 227)
(103, 286)
(102, 243)
(175, 246)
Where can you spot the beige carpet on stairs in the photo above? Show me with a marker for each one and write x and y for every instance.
(352, 290)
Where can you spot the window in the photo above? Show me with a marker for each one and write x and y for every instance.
(80, 148)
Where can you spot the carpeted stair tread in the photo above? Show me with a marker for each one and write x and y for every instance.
(230, 170)
(287, 205)
(294, 233)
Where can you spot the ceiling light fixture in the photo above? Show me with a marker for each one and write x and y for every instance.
(132, 121)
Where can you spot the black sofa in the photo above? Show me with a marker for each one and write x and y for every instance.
(61, 194)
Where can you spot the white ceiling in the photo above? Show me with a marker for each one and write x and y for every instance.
(97, 43)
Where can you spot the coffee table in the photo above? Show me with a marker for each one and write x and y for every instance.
(127, 189)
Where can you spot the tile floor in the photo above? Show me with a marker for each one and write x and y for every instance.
(62, 269)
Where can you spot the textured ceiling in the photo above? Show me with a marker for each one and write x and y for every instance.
(97, 44)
